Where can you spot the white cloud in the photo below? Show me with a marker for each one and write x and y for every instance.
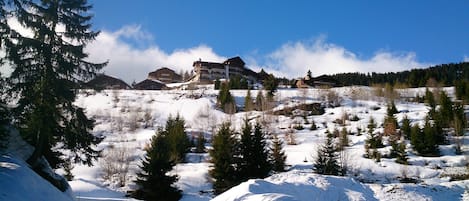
(131, 63)
(295, 59)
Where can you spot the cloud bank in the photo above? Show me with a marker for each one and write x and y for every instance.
(130, 62)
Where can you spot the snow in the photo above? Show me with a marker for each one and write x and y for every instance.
(18, 182)
(114, 111)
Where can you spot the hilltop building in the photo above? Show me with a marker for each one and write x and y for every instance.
(208, 72)
(102, 81)
(165, 75)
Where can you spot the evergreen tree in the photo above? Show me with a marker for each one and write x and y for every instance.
(278, 156)
(254, 156)
(460, 121)
(260, 161)
(373, 141)
(4, 136)
(313, 126)
(270, 84)
(153, 181)
(430, 101)
(200, 146)
(429, 138)
(392, 110)
(177, 138)
(445, 112)
(47, 68)
(225, 100)
(415, 138)
(405, 128)
(260, 101)
(343, 139)
(327, 159)
(401, 156)
(223, 170)
(248, 103)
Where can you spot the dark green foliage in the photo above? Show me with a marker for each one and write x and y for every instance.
(68, 166)
(278, 156)
(238, 82)
(446, 74)
(46, 72)
(313, 126)
(177, 138)
(445, 111)
(4, 136)
(223, 158)
(430, 101)
(424, 140)
(343, 139)
(401, 154)
(460, 121)
(225, 100)
(405, 127)
(254, 155)
(217, 84)
(462, 90)
(153, 181)
(248, 103)
(270, 84)
(200, 146)
(373, 141)
(327, 159)
(391, 109)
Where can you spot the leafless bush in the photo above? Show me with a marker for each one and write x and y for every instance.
(115, 164)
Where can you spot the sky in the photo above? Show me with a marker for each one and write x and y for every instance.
(286, 38)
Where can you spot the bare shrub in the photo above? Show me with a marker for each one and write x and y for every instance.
(290, 136)
(115, 164)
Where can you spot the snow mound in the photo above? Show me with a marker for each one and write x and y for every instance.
(297, 186)
(18, 182)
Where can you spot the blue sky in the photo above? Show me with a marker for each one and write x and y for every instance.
(338, 35)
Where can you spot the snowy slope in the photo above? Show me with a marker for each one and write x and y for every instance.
(367, 179)
(18, 182)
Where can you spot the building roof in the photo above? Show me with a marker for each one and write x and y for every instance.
(102, 81)
(148, 84)
(235, 61)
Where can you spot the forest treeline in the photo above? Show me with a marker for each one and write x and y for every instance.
(444, 74)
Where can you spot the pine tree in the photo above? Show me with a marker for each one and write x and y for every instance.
(260, 161)
(401, 154)
(415, 138)
(248, 103)
(430, 101)
(445, 111)
(278, 156)
(313, 126)
(4, 136)
(405, 128)
(177, 137)
(47, 68)
(327, 160)
(153, 181)
(373, 141)
(343, 139)
(223, 170)
(200, 146)
(429, 139)
(225, 100)
(245, 152)
(392, 110)
(460, 121)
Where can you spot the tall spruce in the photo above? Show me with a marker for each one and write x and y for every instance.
(260, 161)
(327, 160)
(445, 111)
(405, 127)
(277, 156)
(47, 68)
(177, 137)
(153, 180)
(225, 100)
(223, 159)
(373, 141)
(260, 101)
(430, 101)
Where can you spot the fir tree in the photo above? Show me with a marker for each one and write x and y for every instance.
(415, 138)
(245, 152)
(270, 84)
(260, 161)
(373, 141)
(223, 170)
(278, 156)
(445, 111)
(460, 121)
(177, 138)
(225, 100)
(327, 160)
(401, 154)
(429, 138)
(47, 68)
(313, 126)
(343, 139)
(405, 128)
(248, 103)
(430, 101)
(153, 181)
(200, 146)
(392, 110)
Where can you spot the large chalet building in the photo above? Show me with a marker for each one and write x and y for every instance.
(207, 72)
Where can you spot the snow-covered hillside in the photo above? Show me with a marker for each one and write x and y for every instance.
(128, 119)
